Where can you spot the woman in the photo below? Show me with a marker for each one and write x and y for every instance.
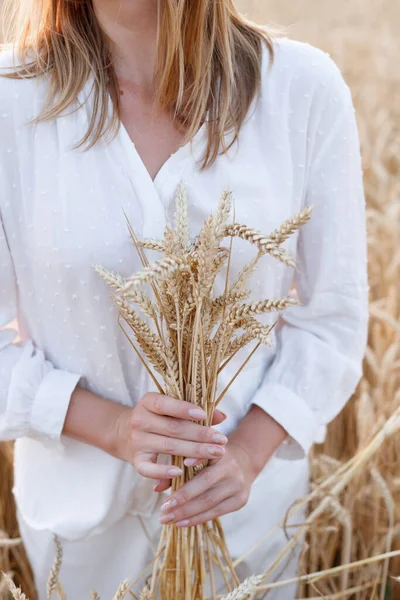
(271, 118)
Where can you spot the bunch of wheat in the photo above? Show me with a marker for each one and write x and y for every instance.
(188, 338)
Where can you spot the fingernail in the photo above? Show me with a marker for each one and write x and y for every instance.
(215, 450)
(197, 413)
(189, 462)
(167, 518)
(218, 438)
(174, 472)
(225, 416)
(183, 523)
(168, 504)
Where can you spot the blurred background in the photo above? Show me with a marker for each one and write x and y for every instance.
(359, 464)
(355, 511)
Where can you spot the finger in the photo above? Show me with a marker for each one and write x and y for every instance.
(147, 468)
(218, 417)
(199, 505)
(223, 508)
(207, 479)
(184, 430)
(161, 404)
(172, 446)
(192, 462)
(162, 485)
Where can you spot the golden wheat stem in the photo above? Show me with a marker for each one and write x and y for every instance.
(350, 592)
(157, 559)
(179, 336)
(222, 394)
(313, 577)
(211, 564)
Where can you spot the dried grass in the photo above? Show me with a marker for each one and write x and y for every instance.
(356, 483)
(361, 520)
(13, 560)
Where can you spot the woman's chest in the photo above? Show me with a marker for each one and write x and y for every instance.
(74, 205)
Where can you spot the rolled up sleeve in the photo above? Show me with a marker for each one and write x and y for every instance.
(322, 341)
(34, 395)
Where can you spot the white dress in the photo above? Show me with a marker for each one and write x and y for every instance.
(62, 212)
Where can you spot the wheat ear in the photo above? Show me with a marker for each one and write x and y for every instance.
(16, 593)
(122, 590)
(261, 307)
(158, 271)
(181, 219)
(149, 342)
(245, 589)
(151, 244)
(55, 570)
(113, 279)
(291, 225)
(222, 213)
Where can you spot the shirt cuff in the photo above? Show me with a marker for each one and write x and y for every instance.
(294, 415)
(50, 406)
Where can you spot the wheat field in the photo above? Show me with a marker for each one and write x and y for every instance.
(355, 508)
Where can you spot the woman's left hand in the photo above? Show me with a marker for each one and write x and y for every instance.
(220, 488)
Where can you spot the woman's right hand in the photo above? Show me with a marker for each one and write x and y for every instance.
(159, 424)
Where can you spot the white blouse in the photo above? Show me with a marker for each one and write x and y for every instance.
(62, 212)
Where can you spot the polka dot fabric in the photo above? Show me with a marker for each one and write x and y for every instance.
(62, 212)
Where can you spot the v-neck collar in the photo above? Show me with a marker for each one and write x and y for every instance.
(174, 163)
(149, 192)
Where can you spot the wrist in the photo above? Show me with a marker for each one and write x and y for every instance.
(93, 420)
(118, 430)
(258, 435)
(248, 464)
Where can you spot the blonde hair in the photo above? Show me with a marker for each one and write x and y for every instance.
(208, 63)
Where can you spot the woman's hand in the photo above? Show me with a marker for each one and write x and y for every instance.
(224, 486)
(160, 424)
(220, 488)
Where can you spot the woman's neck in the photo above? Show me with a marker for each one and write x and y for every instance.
(131, 27)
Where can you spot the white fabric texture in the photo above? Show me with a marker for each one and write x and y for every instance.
(123, 551)
(62, 212)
